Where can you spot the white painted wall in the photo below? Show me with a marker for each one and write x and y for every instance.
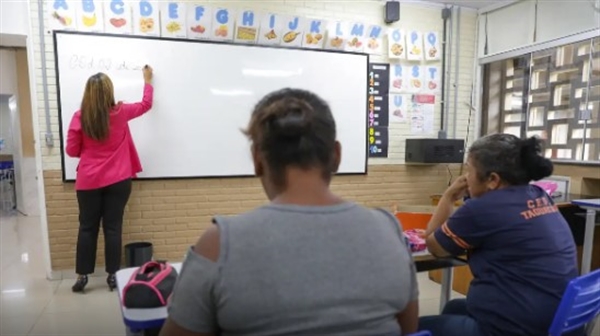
(14, 18)
(523, 24)
(5, 126)
(8, 71)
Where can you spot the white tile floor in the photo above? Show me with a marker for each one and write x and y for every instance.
(32, 305)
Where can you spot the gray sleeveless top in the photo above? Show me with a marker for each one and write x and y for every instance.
(299, 270)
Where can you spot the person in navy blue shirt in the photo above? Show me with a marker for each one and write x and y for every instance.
(521, 250)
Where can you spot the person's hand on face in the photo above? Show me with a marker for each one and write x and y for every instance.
(458, 189)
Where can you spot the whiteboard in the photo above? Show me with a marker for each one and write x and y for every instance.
(204, 93)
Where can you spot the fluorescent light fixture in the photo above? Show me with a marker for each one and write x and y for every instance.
(218, 92)
(271, 73)
(25, 257)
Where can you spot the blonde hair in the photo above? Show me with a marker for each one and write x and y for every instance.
(98, 100)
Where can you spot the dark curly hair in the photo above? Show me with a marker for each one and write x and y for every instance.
(293, 127)
(517, 161)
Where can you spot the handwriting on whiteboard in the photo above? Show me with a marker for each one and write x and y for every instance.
(103, 64)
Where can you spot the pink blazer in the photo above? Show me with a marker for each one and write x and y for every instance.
(102, 163)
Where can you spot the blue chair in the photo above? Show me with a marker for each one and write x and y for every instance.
(580, 305)
(421, 333)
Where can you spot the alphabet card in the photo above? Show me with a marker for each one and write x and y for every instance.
(62, 14)
(173, 19)
(432, 79)
(246, 30)
(398, 78)
(292, 31)
(432, 46)
(356, 38)
(314, 34)
(337, 36)
(398, 107)
(117, 17)
(223, 23)
(90, 16)
(415, 45)
(199, 21)
(271, 29)
(415, 74)
(374, 40)
(146, 17)
(396, 44)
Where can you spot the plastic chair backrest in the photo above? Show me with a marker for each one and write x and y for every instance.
(579, 306)
(412, 220)
(421, 333)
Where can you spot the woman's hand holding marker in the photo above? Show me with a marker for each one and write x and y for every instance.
(148, 73)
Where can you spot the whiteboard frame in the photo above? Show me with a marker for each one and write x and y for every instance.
(60, 129)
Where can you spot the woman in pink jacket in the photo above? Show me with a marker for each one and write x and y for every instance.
(99, 136)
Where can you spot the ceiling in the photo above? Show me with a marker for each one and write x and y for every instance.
(477, 4)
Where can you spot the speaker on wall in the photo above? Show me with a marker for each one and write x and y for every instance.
(392, 12)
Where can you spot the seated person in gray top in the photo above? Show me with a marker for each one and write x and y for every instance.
(308, 263)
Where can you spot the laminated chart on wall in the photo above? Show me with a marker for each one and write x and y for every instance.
(378, 142)
(378, 114)
(422, 109)
(378, 94)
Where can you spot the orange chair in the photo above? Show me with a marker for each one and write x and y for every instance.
(412, 220)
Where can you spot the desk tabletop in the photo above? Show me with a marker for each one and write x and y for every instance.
(567, 199)
(588, 203)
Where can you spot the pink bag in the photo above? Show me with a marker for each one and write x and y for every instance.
(549, 187)
(414, 240)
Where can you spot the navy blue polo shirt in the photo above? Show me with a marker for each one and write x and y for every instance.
(522, 256)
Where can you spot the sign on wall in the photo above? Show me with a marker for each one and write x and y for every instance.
(62, 14)
(146, 17)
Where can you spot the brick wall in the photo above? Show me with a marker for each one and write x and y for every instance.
(173, 213)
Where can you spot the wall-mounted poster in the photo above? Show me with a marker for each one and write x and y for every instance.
(374, 40)
(337, 35)
(398, 78)
(271, 29)
(117, 17)
(396, 44)
(432, 46)
(173, 19)
(199, 21)
(398, 108)
(421, 114)
(378, 94)
(63, 15)
(356, 37)
(246, 27)
(146, 17)
(432, 79)
(314, 35)
(223, 22)
(293, 31)
(414, 45)
(415, 76)
(90, 16)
